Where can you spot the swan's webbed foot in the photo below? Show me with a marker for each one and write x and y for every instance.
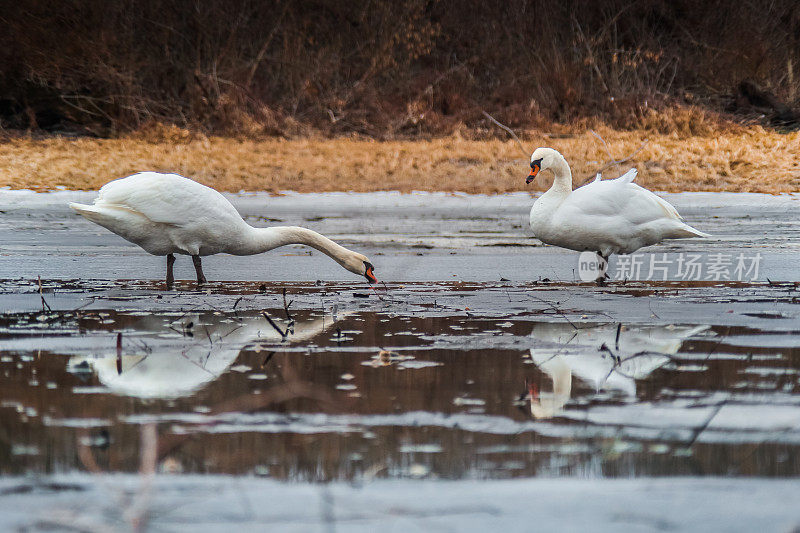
(170, 276)
(198, 268)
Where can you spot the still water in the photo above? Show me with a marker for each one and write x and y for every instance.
(449, 381)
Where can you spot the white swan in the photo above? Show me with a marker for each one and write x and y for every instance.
(168, 214)
(606, 216)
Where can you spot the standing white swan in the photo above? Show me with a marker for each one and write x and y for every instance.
(168, 214)
(606, 216)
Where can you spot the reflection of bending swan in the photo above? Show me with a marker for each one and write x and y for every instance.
(641, 350)
(184, 364)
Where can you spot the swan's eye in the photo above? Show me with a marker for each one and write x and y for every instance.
(536, 163)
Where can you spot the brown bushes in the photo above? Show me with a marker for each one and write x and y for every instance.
(386, 69)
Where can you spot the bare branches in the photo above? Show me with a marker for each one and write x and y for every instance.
(263, 50)
(509, 131)
(613, 161)
(605, 144)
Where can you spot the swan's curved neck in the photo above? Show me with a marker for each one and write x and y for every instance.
(563, 175)
(260, 240)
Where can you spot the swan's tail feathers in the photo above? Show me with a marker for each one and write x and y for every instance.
(629, 176)
(80, 208)
(687, 231)
(89, 212)
(669, 209)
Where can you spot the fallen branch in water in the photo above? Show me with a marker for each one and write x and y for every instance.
(41, 294)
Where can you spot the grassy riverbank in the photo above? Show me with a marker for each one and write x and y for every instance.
(743, 160)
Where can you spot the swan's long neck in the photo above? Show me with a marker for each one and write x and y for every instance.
(260, 240)
(563, 175)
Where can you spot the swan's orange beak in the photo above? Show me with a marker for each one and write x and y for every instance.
(370, 276)
(535, 167)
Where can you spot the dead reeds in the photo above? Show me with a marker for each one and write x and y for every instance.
(736, 159)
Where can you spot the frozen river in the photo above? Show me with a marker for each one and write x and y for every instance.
(481, 376)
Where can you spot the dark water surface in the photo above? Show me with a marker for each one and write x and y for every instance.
(453, 380)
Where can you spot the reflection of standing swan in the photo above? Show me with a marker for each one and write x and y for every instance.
(584, 352)
(561, 374)
(186, 363)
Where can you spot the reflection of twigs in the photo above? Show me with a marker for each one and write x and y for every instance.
(716, 345)
(705, 424)
(286, 306)
(509, 131)
(119, 353)
(82, 306)
(272, 323)
(618, 361)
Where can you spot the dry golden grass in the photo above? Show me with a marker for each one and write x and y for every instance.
(751, 159)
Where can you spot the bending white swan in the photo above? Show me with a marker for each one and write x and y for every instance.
(168, 214)
(606, 216)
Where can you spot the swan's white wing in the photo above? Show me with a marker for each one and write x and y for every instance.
(166, 199)
(617, 198)
(628, 177)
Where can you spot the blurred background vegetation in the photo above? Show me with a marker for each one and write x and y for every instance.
(395, 69)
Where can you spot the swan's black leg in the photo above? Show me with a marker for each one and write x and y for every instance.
(198, 268)
(170, 276)
(601, 278)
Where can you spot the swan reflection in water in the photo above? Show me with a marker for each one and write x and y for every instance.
(176, 359)
(607, 357)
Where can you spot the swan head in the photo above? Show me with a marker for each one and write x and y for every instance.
(541, 159)
(359, 264)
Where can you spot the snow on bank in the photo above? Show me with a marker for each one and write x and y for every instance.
(215, 503)
(395, 199)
